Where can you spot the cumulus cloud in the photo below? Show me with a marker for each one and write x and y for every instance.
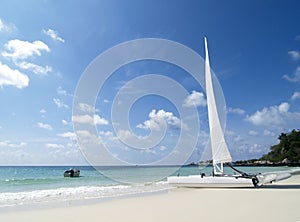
(125, 135)
(39, 70)
(70, 135)
(158, 119)
(268, 133)
(253, 133)
(250, 148)
(236, 111)
(54, 145)
(44, 126)
(61, 91)
(87, 137)
(18, 49)
(54, 35)
(59, 103)
(87, 119)
(295, 77)
(85, 107)
(163, 148)
(99, 120)
(274, 116)
(195, 99)
(284, 107)
(295, 96)
(294, 55)
(5, 27)
(12, 77)
(7, 143)
(1, 25)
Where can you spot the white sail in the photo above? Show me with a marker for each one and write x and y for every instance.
(220, 153)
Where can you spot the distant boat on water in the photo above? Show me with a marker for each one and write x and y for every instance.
(72, 173)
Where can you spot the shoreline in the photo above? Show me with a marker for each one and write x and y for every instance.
(275, 202)
(59, 203)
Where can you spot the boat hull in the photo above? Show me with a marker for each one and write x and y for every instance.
(210, 181)
(72, 173)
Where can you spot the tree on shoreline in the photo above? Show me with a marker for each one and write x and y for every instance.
(287, 150)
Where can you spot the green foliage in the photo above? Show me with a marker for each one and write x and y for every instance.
(287, 150)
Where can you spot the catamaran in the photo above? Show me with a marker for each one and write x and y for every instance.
(220, 153)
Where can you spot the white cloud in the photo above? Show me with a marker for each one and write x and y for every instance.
(237, 138)
(295, 96)
(274, 116)
(253, 133)
(39, 70)
(18, 49)
(54, 145)
(158, 119)
(65, 122)
(12, 77)
(44, 126)
(284, 107)
(59, 103)
(195, 99)
(163, 148)
(294, 55)
(53, 34)
(4, 27)
(7, 143)
(1, 25)
(106, 133)
(84, 134)
(43, 112)
(70, 135)
(87, 119)
(236, 111)
(125, 135)
(86, 107)
(295, 77)
(250, 148)
(99, 120)
(61, 91)
(269, 133)
(86, 137)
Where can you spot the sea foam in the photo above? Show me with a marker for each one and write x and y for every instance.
(76, 193)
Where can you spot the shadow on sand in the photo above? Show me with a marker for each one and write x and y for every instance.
(280, 186)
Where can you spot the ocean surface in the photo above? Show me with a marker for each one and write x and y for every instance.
(27, 185)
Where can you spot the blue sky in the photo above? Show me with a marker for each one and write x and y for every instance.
(45, 46)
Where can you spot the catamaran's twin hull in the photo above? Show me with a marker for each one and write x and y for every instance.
(210, 181)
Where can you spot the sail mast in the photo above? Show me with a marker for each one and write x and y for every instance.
(220, 152)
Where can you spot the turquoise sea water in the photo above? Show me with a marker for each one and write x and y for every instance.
(21, 185)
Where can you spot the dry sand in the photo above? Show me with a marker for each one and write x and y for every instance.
(278, 202)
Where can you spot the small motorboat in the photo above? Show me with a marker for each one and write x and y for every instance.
(72, 173)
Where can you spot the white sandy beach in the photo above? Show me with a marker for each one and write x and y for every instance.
(277, 202)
